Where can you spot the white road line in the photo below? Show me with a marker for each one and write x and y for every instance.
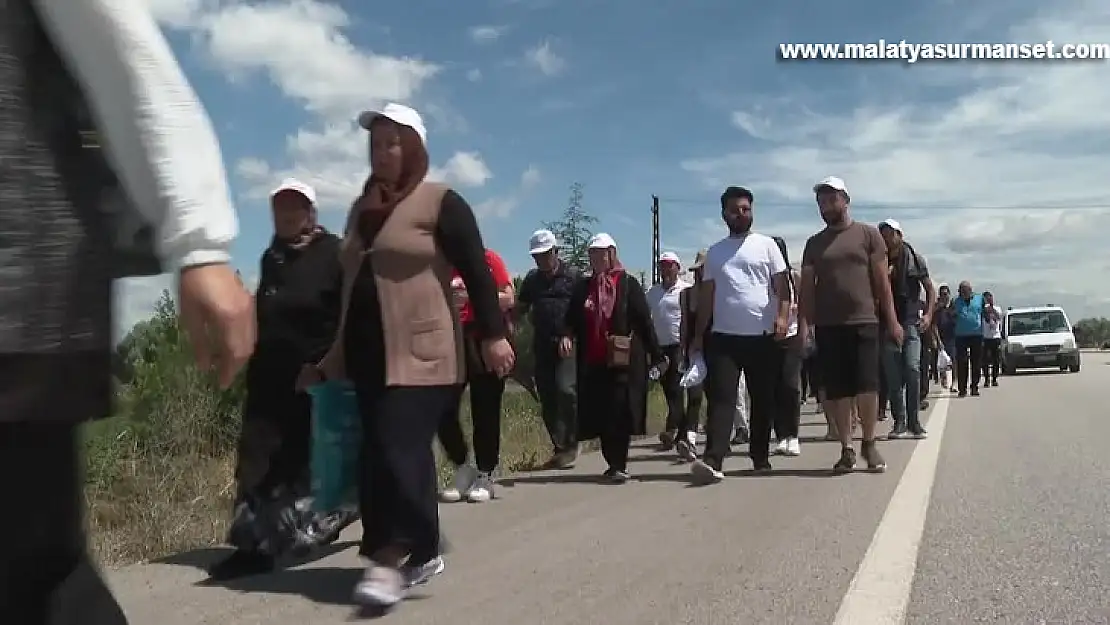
(880, 590)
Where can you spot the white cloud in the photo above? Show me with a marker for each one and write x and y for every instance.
(474, 75)
(1028, 136)
(466, 169)
(544, 58)
(486, 34)
(503, 206)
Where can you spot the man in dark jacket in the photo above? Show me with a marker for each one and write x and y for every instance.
(75, 76)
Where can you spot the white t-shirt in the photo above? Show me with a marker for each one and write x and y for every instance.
(666, 312)
(992, 329)
(741, 270)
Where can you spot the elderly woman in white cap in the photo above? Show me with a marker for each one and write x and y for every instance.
(400, 344)
(609, 328)
(297, 306)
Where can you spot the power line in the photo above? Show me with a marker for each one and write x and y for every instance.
(714, 202)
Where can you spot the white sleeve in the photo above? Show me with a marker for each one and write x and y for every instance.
(774, 254)
(709, 269)
(156, 134)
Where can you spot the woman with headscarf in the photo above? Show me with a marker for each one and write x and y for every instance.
(788, 395)
(610, 330)
(297, 308)
(400, 343)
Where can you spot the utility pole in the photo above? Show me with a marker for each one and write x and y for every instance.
(655, 251)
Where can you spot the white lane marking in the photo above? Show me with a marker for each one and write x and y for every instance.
(880, 590)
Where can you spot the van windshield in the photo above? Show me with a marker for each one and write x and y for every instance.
(1042, 322)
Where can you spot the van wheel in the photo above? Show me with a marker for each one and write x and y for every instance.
(1074, 368)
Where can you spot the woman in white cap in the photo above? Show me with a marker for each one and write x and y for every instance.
(297, 304)
(399, 343)
(609, 328)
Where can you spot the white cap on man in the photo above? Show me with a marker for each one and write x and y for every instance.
(602, 241)
(542, 241)
(670, 257)
(295, 186)
(831, 182)
(892, 224)
(397, 113)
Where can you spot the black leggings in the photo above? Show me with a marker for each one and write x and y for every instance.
(788, 394)
(486, 392)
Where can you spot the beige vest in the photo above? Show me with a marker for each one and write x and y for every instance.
(423, 344)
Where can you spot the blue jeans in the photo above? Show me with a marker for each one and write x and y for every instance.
(902, 366)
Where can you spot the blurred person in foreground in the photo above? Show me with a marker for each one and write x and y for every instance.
(400, 344)
(109, 168)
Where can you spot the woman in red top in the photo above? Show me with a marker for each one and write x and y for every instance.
(612, 395)
(475, 484)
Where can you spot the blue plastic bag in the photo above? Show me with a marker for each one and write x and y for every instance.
(336, 445)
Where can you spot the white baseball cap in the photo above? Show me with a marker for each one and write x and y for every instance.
(892, 224)
(601, 241)
(831, 182)
(669, 257)
(398, 113)
(296, 186)
(541, 241)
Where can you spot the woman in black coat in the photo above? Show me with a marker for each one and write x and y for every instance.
(609, 328)
(297, 307)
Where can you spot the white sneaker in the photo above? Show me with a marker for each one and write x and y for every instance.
(465, 477)
(705, 474)
(380, 586)
(686, 451)
(781, 448)
(793, 447)
(422, 573)
(482, 489)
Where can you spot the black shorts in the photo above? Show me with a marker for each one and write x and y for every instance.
(848, 358)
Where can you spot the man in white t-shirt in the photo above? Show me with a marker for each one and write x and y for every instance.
(747, 288)
(665, 301)
(992, 340)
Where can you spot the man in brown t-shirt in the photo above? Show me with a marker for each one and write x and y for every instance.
(844, 290)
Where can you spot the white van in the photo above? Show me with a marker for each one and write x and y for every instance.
(1038, 337)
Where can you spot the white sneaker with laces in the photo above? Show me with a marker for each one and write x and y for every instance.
(465, 477)
(481, 490)
(781, 448)
(416, 575)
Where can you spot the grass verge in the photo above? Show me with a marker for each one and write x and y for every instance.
(149, 503)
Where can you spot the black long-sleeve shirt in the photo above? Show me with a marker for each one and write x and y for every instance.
(459, 238)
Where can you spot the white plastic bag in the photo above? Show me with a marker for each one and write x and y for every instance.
(944, 361)
(695, 373)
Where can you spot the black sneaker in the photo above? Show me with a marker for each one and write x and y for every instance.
(241, 563)
(923, 406)
(897, 433)
(741, 437)
(975, 391)
(666, 440)
(961, 394)
(871, 455)
(919, 433)
(762, 467)
(616, 476)
(847, 462)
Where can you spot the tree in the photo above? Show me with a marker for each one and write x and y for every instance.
(574, 230)
(1092, 332)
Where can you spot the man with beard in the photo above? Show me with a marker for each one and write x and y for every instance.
(845, 288)
(746, 286)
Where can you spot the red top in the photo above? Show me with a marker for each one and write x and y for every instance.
(501, 279)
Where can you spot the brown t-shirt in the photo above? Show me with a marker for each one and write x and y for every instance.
(841, 261)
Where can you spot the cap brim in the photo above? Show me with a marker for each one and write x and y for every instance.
(299, 192)
(541, 249)
(366, 118)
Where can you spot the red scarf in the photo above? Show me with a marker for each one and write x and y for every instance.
(600, 303)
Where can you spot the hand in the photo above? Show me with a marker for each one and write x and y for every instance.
(498, 356)
(926, 321)
(566, 347)
(218, 315)
(782, 324)
(896, 333)
(310, 375)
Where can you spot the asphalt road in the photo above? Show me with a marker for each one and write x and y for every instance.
(1002, 516)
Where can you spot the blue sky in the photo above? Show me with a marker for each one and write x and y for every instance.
(996, 169)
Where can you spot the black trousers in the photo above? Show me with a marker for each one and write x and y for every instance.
(604, 403)
(811, 376)
(486, 392)
(758, 358)
(788, 390)
(46, 576)
(556, 384)
(992, 358)
(683, 405)
(969, 361)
